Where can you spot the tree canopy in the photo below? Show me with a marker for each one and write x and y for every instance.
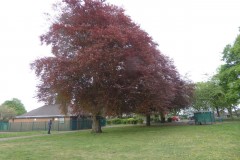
(16, 105)
(6, 113)
(229, 74)
(104, 63)
(209, 96)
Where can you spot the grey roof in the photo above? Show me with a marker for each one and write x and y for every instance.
(45, 111)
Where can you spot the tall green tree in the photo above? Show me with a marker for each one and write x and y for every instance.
(201, 97)
(209, 96)
(229, 74)
(15, 104)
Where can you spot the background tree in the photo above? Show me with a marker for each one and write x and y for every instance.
(16, 105)
(209, 96)
(157, 90)
(229, 74)
(6, 113)
(102, 63)
(183, 97)
(201, 97)
(218, 97)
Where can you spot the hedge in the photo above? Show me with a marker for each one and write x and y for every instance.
(124, 121)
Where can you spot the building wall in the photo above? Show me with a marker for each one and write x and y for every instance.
(37, 119)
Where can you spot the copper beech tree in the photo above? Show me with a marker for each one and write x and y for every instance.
(103, 63)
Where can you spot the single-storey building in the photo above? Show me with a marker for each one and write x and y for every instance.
(44, 114)
(38, 119)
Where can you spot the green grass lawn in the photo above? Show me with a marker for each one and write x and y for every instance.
(23, 134)
(196, 142)
(20, 134)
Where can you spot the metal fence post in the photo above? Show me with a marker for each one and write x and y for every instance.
(9, 126)
(32, 126)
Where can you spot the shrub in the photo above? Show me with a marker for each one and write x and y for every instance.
(116, 121)
(124, 121)
(132, 121)
(154, 119)
(169, 119)
(140, 121)
(109, 121)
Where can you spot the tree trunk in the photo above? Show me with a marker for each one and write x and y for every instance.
(96, 127)
(230, 112)
(148, 123)
(236, 112)
(218, 113)
(163, 118)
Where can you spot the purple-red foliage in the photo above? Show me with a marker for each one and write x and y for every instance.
(104, 63)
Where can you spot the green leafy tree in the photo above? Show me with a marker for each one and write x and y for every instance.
(229, 74)
(15, 104)
(217, 96)
(6, 113)
(209, 96)
(201, 97)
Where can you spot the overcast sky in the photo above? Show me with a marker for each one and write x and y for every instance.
(191, 32)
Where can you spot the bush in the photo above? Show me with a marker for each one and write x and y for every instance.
(109, 121)
(169, 119)
(132, 121)
(124, 121)
(155, 119)
(116, 121)
(140, 121)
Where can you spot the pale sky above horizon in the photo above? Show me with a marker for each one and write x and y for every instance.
(191, 32)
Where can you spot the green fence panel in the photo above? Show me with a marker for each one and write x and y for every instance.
(84, 123)
(3, 126)
(79, 124)
(204, 118)
(76, 124)
(103, 121)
